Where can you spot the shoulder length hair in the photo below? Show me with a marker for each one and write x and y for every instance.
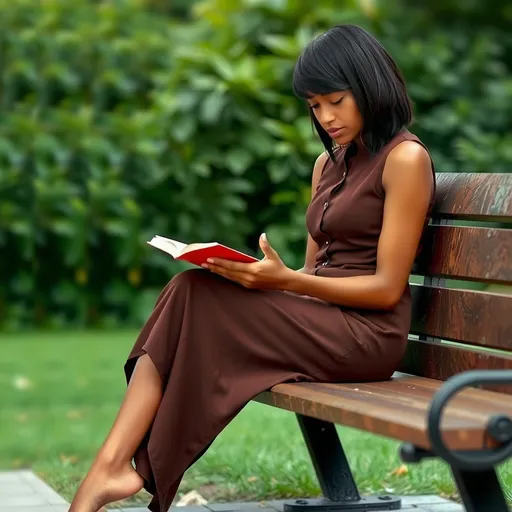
(348, 57)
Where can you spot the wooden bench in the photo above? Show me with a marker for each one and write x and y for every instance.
(460, 338)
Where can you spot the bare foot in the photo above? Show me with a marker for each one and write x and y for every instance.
(103, 485)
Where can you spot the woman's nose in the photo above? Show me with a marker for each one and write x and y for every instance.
(326, 116)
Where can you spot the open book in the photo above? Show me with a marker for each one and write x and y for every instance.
(197, 254)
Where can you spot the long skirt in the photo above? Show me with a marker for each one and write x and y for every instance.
(216, 345)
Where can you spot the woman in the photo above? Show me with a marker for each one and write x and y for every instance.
(219, 336)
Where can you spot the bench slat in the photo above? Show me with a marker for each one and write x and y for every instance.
(440, 361)
(469, 253)
(396, 408)
(422, 387)
(476, 196)
(477, 318)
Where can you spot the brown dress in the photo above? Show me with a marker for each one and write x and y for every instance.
(216, 344)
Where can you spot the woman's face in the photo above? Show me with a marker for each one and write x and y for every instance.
(338, 115)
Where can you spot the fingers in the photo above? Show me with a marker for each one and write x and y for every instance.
(223, 271)
(242, 278)
(228, 265)
(266, 248)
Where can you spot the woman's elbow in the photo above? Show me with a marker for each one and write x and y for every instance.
(390, 301)
(390, 296)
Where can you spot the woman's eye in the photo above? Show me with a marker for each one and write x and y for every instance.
(315, 106)
(337, 102)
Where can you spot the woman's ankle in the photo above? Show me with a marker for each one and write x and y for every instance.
(111, 462)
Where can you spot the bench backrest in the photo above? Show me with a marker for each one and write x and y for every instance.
(462, 313)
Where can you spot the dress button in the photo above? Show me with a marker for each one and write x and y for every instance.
(326, 204)
(327, 243)
(325, 263)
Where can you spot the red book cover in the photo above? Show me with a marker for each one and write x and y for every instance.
(197, 254)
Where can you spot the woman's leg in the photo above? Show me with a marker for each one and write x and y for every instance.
(112, 476)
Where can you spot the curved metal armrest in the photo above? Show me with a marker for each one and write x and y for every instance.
(498, 424)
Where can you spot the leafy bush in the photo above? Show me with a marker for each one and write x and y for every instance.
(119, 122)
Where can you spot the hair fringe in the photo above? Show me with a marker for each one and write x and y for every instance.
(346, 57)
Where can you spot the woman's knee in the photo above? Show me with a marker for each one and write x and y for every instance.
(191, 277)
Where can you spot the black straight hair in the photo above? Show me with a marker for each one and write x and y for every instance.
(347, 57)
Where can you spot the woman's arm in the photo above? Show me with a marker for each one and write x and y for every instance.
(407, 180)
(311, 246)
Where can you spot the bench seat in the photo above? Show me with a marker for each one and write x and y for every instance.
(396, 408)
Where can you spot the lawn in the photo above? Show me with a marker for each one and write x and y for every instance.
(61, 393)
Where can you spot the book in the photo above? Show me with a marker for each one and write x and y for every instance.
(198, 253)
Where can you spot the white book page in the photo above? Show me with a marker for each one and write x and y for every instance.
(196, 247)
(175, 248)
(178, 247)
(165, 245)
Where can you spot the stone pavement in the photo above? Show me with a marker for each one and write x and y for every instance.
(409, 504)
(23, 491)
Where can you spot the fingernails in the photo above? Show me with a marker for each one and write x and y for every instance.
(264, 237)
(209, 260)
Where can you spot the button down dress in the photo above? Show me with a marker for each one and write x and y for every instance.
(216, 344)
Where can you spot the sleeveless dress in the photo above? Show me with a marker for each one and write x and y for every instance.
(216, 344)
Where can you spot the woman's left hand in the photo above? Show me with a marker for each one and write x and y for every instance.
(268, 274)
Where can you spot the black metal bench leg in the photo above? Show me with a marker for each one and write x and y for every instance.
(334, 474)
(480, 491)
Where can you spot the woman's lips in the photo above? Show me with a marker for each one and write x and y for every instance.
(334, 132)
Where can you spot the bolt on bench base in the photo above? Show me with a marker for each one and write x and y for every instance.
(364, 504)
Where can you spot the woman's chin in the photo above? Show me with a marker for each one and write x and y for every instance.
(343, 140)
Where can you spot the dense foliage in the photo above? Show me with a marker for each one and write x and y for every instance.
(125, 119)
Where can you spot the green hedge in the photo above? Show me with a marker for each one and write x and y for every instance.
(119, 121)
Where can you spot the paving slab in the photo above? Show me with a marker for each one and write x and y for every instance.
(250, 506)
(43, 508)
(9, 477)
(441, 507)
(425, 500)
(429, 503)
(23, 491)
(20, 488)
(43, 489)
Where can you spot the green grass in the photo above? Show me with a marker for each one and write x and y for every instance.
(60, 394)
